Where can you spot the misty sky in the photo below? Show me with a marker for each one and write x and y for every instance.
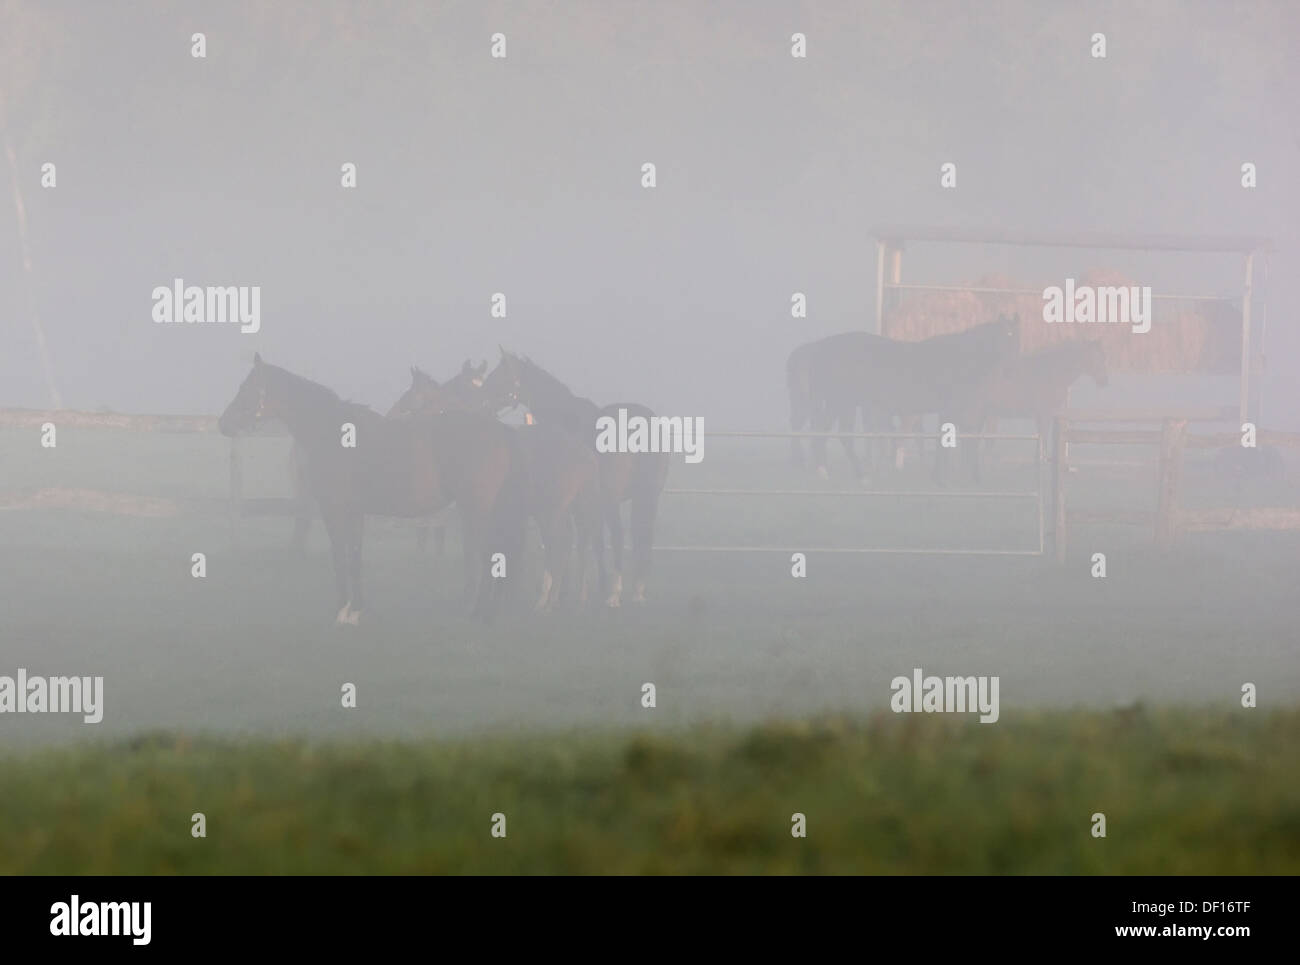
(523, 176)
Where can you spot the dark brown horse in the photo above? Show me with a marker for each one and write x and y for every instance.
(358, 463)
(635, 478)
(563, 477)
(424, 395)
(831, 380)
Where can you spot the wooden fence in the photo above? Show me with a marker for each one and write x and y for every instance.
(1170, 519)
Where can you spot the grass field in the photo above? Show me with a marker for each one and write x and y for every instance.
(1183, 793)
(540, 716)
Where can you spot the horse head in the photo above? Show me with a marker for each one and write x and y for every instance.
(464, 390)
(1007, 335)
(255, 401)
(503, 388)
(424, 395)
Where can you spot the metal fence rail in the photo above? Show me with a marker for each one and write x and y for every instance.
(1035, 494)
(239, 506)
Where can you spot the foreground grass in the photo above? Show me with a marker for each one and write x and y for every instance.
(1184, 792)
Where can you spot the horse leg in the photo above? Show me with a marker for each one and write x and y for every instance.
(301, 526)
(582, 545)
(553, 543)
(336, 527)
(846, 421)
(941, 455)
(645, 507)
(356, 532)
(799, 419)
(869, 419)
(614, 522)
(989, 427)
(440, 540)
(907, 423)
(483, 591)
(596, 533)
(471, 540)
(821, 423)
(421, 536)
(572, 559)
(973, 450)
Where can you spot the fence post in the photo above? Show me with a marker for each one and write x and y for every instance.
(1173, 437)
(236, 485)
(1060, 470)
(1040, 461)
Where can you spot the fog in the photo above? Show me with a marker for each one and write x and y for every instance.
(522, 175)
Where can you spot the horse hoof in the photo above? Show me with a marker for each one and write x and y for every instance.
(823, 473)
(354, 618)
(342, 618)
(613, 602)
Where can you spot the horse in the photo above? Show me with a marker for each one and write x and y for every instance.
(823, 388)
(636, 478)
(424, 395)
(393, 467)
(563, 477)
(1037, 386)
(832, 379)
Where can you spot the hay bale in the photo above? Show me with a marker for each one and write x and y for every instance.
(1185, 336)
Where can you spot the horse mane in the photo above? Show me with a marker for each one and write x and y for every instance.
(551, 383)
(349, 406)
(324, 393)
(304, 384)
